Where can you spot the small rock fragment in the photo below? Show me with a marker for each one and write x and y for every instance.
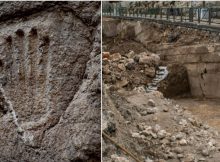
(171, 155)
(161, 134)
(180, 156)
(121, 67)
(205, 152)
(151, 103)
(183, 142)
(156, 128)
(106, 55)
(202, 159)
(148, 160)
(135, 135)
(165, 109)
(183, 122)
(155, 119)
(115, 56)
(151, 110)
(189, 158)
(130, 54)
(117, 158)
(178, 150)
(180, 135)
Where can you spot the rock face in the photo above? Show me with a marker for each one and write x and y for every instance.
(50, 76)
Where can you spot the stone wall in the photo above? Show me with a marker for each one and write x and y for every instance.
(197, 50)
(50, 76)
(202, 63)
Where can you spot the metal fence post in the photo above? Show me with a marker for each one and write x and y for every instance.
(109, 11)
(115, 11)
(190, 15)
(140, 12)
(122, 12)
(181, 14)
(144, 12)
(150, 13)
(119, 11)
(199, 14)
(210, 15)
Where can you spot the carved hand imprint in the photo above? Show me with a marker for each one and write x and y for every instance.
(40, 72)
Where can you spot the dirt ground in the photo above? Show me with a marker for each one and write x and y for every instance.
(207, 110)
(131, 111)
(114, 45)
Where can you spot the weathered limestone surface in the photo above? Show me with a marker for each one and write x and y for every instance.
(197, 50)
(50, 76)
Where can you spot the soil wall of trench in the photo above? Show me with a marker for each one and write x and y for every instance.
(195, 50)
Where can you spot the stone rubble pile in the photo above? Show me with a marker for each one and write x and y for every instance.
(174, 145)
(131, 71)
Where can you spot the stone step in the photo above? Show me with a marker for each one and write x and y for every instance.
(156, 79)
(162, 67)
(153, 84)
(152, 88)
(160, 75)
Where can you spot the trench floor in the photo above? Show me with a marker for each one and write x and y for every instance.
(206, 110)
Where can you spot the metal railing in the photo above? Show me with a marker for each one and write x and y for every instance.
(203, 16)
